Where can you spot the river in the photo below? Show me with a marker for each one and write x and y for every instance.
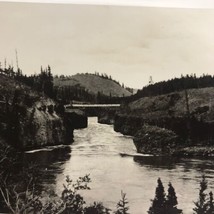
(113, 164)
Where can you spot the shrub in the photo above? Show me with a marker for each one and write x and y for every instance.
(19, 200)
(204, 205)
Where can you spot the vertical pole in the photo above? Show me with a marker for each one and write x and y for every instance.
(17, 62)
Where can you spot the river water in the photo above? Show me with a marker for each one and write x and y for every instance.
(113, 164)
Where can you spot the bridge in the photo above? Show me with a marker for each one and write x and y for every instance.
(94, 109)
(92, 106)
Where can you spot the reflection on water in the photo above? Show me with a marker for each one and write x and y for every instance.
(156, 163)
(49, 162)
(113, 164)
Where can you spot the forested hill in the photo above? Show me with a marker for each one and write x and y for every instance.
(176, 84)
(93, 84)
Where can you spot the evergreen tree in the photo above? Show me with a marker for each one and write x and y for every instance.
(210, 204)
(171, 201)
(201, 205)
(162, 204)
(45, 82)
(122, 207)
(171, 197)
(159, 202)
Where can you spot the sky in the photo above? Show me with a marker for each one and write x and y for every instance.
(127, 42)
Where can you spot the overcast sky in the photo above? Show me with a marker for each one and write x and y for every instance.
(129, 43)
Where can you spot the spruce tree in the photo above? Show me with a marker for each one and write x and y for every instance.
(171, 201)
(171, 197)
(201, 206)
(122, 207)
(159, 202)
(210, 204)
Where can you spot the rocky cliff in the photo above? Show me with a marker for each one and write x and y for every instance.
(30, 120)
(41, 127)
(106, 116)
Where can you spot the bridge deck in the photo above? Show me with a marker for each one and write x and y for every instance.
(93, 105)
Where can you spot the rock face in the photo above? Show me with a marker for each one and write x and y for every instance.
(126, 124)
(30, 120)
(106, 116)
(74, 119)
(106, 120)
(40, 128)
(31, 125)
(36, 126)
(156, 141)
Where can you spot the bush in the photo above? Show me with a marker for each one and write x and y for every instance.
(19, 200)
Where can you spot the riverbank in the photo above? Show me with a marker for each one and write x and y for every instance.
(195, 151)
(179, 123)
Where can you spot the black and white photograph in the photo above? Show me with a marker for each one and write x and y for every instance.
(107, 107)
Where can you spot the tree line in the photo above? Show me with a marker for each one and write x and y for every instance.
(176, 84)
(66, 94)
(42, 82)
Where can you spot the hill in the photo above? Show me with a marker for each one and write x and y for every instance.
(175, 104)
(93, 84)
(174, 121)
(173, 85)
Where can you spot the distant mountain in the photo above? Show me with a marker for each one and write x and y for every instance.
(93, 84)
